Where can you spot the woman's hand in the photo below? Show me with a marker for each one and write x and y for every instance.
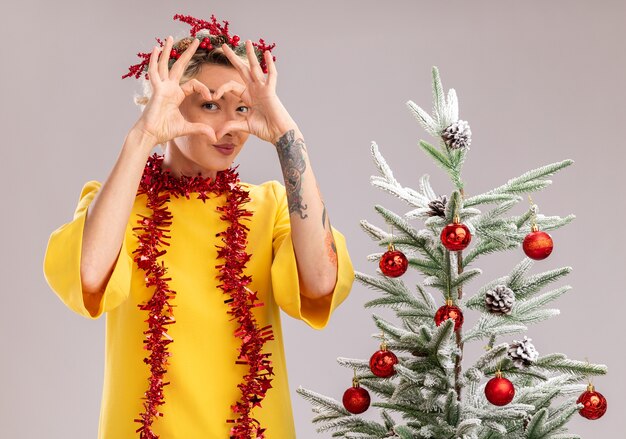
(162, 119)
(267, 118)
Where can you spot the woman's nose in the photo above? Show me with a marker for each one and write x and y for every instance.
(233, 123)
(231, 116)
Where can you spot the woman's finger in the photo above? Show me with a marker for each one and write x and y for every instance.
(239, 65)
(255, 67)
(272, 74)
(165, 58)
(179, 66)
(233, 126)
(199, 128)
(195, 86)
(237, 88)
(153, 73)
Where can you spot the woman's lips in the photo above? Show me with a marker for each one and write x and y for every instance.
(225, 148)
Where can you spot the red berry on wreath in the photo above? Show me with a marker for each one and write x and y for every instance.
(449, 311)
(537, 244)
(383, 361)
(455, 236)
(356, 399)
(393, 263)
(206, 43)
(594, 404)
(499, 391)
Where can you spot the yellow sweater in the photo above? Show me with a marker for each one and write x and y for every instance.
(202, 368)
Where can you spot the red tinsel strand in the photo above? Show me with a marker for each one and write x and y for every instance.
(156, 336)
(241, 301)
(153, 233)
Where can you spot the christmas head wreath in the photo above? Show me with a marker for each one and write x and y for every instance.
(211, 34)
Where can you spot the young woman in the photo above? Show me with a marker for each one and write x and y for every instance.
(190, 264)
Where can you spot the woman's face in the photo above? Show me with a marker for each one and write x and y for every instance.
(197, 152)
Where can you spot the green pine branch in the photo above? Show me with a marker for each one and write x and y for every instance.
(531, 181)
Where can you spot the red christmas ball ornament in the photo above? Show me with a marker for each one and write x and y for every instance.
(537, 244)
(383, 361)
(455, 236)
(449, 311)
(356, 399)
(594, 404)
(393, 263)
(499, 391)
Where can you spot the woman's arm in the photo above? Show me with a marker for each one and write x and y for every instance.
(110, 210)
(314, 245)
(107, 216)
(268, 119)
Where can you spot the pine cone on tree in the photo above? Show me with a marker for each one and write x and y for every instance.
(438, 207)
(458, 135)
(522, 353)
(500, 300)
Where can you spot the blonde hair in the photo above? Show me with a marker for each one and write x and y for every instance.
(199, 58)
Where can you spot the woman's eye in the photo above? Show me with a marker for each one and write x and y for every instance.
(243, 109)
(209, 103)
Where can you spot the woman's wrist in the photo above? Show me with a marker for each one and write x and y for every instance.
(279, 120)
(296, 134)
(140, 138)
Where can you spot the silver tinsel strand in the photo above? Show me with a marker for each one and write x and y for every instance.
(500, 300)
(522, 353)
(458, 135)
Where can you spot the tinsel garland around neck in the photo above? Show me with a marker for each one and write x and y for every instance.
(158, 185)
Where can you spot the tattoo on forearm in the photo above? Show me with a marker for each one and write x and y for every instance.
(330, 239)
(291, 153)
(331, 247)
(291, 156)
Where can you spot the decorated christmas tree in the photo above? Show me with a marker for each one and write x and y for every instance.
(423, 387)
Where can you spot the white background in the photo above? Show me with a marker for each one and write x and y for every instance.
(538, 81)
